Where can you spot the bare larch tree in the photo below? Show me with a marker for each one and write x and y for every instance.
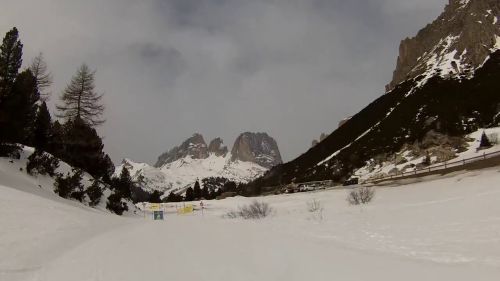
(80, 100)
(44, 80)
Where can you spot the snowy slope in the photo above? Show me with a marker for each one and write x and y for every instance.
(35, 223)
(384, 169)
(184, 172)
(13, 173)
(439, 229)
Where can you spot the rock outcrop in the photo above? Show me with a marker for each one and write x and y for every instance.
(195, 147)
(321, 138)
(258, 148)
(455, 44)
(216, 147)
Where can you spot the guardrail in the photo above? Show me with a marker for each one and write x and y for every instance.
(439, 167)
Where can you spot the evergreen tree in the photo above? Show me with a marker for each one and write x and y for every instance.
(42, 163)
(172, 197)
(43, 78)
(205, 193)
(485, 142)
(125, 184)
(56, 140)
(197, 190)
(217, 193)
(20, 110)
(189, 194)
(155, 197)
(80, 100)
(94, 192)
(115, 204)
(11, 52)
(42, 129)
(229, 186)
(109, 169)
(83, 148)
(70, 186)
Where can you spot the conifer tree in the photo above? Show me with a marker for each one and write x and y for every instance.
(155, 197)
(80, 100)
(43, 78)
(108, 168)
(20, 109)
(125, 184)
(83, 148)
(42, 129)
(56, 140)
(229, 186)
(485, 142)
(189, 194)
(94, 192)
(197, 190)
(205, 193)
(172, 197)
(11, 52)
(115, 204)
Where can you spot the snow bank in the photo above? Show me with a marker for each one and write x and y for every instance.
(438, 229)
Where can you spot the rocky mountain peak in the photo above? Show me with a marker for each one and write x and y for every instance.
(216, 147)
(127, 163)
(195, 147)
(455, 44)
(258, 148)
(321, 138)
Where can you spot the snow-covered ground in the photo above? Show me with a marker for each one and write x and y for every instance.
(437, 229)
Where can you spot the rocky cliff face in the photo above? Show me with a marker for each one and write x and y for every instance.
(216, 147)
(258, 148)
(195, 147)
(455, 44)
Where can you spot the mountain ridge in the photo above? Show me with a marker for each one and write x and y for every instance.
(454, 44)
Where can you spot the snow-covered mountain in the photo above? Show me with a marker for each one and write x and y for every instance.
(251, 156)
(453, 45)
(445, 84)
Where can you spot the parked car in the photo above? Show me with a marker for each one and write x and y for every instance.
(351, 181)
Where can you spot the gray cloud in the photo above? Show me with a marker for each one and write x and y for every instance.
(292, 68)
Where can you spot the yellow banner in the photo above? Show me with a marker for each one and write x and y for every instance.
(188, 209)
(154, 206)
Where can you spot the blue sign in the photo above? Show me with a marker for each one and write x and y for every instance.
(158, 215)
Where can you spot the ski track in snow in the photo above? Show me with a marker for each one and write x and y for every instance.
(440, 229)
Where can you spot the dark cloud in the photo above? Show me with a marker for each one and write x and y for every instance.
(292, 68)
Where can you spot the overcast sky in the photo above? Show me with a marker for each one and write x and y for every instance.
(169, 68)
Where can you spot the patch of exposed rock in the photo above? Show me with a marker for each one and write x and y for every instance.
(195, 147)
(258, 148)
(216, 147)
(459, 41)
